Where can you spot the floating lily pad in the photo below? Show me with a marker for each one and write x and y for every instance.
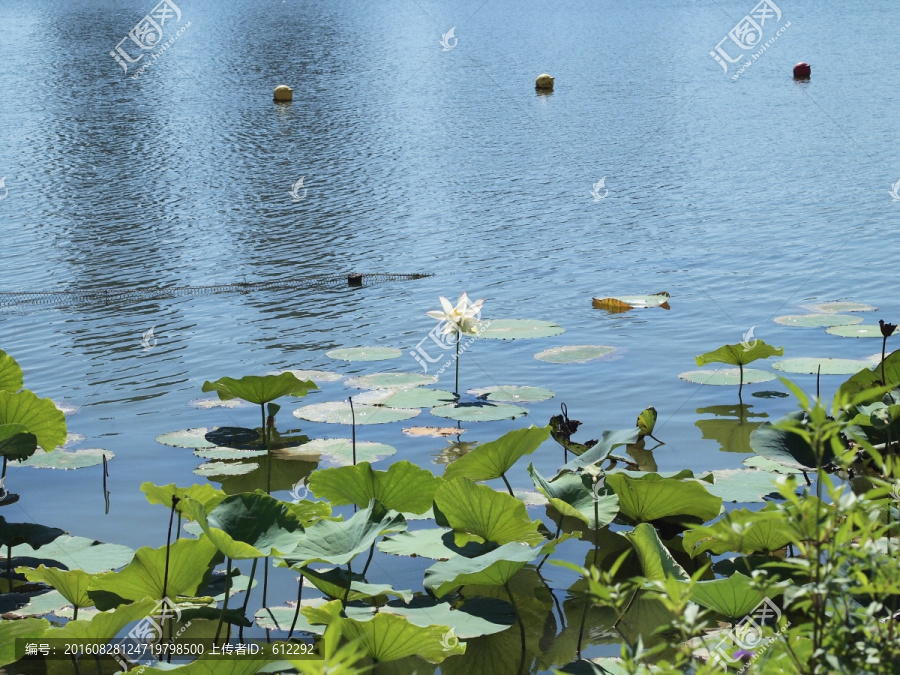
(209, 403)
(314, 375)
(479, 411)
(818, 320)
(829, 366)
(574, 353)
(512, 394)
(866, 331)
(766, 464)
(78, 553)
(838, 307)
(364, 354)
(77, 438)
(337, 451)
(390, 381)
(622, 303)
(227, 453)
(338, 412)
(417, 397)
(727, 376)
(770, 394)
(518, 329)
(187, 438)
(743, 485)
(61, 459)
(433, 432)
(225, 468)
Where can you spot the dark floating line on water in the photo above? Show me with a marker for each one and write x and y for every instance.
(109, 297)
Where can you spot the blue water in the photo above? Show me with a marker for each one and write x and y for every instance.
(744, 199)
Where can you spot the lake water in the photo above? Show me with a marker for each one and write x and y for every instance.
(744, 199)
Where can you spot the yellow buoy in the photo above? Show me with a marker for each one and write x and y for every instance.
(284, 93)
(543, 81)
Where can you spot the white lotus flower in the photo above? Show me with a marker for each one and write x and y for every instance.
(463, 318)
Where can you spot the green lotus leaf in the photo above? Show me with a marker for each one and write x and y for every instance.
(652, 497)
(838, 307)
(333, 583)
(338, 451)
(743, 485)
(249, 525)
(10, 631)
(364, 354)
(414, 397)
(11, 378)
(433, 543)
(572, 495)
(479, 510)
(494, 568)
(104, 624)
(403, 487)
(308, 512)
(63, 459)
(509, 393)
(191, 562)
(337, 543)
(260, 389)
(574, 353)
(727, 376)
(339, 412)
(646, 421)
(479, 411)
(733, 597)
(741, 531)
(226, 468)
(871, 378)
(50, 602)
(314, 375)
(71, 584)
(76, 553)
(215, 664)
(32, 535)
(622, 303)
(657, 563)
(818, 320)
(829, 366)
(739, 355)
(39, 416)
(186, 438)
(493, 459)
(608, 442)
(16, 443)
(473, 618)
(386, 637)
(786, 447)
(856, 331)
(517, 329)
(390, 381)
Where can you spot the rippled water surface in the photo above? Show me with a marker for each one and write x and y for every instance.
(744, 199)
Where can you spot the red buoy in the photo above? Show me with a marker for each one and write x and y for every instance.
(802, 71)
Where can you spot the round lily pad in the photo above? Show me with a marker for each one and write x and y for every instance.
(481, 411)
(727, 376)
(866, 331)
(227, 453)
(838, 307)
(530, 497)
(208, 403)
(518, 329)
(314, 375)
(513, 394)
(390, 381)
(417, 397)
(187, 438)
(574, 353)
(77, 438)
(336, 450)
(364, 354)
(829, 366)
(60, 459)
(338, 412)
(225, 468)
(818, 320)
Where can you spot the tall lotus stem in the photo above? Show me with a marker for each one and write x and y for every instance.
(297, 610)
(247, 595)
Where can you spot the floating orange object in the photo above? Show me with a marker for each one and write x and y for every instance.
(802, 71)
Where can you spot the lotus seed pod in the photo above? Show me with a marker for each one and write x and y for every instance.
(544, 81)
(284, 93)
